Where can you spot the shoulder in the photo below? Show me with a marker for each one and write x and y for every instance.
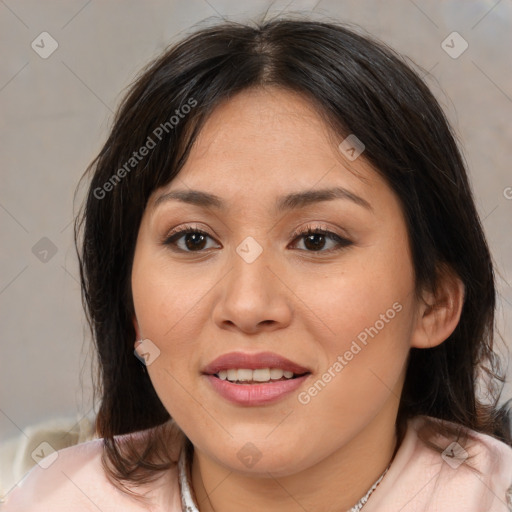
(469, 473)
(74, 479)
(492, 459)
(473, 451)
(71, 476)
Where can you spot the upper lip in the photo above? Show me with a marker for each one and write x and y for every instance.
(253, 362)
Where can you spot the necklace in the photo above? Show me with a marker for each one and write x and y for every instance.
(189, 505)
(362, 502)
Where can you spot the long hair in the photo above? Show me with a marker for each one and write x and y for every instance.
(359, 86)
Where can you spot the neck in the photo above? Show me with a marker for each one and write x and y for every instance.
(336, 483)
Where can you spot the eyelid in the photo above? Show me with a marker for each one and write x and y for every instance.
(185, 227)
(311, 227)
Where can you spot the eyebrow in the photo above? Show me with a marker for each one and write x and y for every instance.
(291, 201)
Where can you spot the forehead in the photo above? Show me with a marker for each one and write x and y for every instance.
(270, 142)
(279, 120)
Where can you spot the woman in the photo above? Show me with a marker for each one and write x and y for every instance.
(280, 228)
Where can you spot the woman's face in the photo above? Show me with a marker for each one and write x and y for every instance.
(254, 294)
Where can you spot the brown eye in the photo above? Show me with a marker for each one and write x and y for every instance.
(194, 240)
(190, 239)
(315, 240)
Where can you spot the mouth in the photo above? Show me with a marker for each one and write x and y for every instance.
(254, 379)
(246, 376)
(261, 367)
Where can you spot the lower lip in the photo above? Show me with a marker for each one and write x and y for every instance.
(255, 394)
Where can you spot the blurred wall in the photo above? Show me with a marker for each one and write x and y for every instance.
(56, 109)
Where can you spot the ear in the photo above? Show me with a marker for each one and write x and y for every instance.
(438, 314)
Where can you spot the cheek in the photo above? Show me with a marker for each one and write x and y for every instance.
(167, 306)
(168, 298)
(366, 312)
(364, 371)
(362, 298)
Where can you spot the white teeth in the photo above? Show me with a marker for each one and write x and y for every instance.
(261, 375)
(244, 375)
(258, 375)
(276, 373)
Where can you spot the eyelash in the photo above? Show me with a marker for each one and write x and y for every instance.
(173, 236)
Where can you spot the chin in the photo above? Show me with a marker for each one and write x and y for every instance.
(259, 457)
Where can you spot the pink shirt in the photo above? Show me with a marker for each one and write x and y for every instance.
(419, 480)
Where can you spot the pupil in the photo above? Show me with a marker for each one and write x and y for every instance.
(315, 239)
(194, 237)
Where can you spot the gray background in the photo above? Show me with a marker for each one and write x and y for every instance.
(55, 114)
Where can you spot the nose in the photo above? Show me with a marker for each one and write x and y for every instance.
(254, 296)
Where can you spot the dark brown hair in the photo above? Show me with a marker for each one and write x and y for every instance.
(360, 87)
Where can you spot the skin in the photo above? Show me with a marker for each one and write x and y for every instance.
(303, 304)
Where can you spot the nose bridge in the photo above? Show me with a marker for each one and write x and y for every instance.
(250, 266)
(252, 296)
(250, 250)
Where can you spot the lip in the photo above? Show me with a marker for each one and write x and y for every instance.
(255, 394)
(253, 362)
